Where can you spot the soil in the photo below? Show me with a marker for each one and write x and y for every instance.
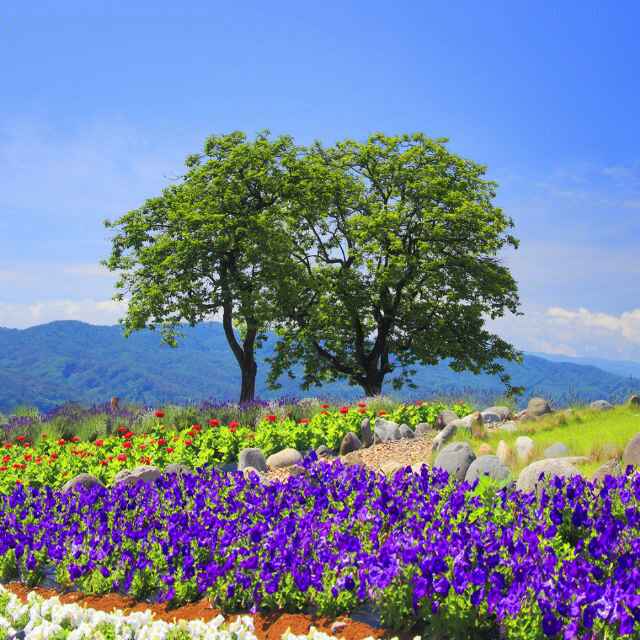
(267, 626)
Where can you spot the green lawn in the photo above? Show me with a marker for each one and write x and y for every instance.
(599, 435)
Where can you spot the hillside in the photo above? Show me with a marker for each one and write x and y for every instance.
(61, 361)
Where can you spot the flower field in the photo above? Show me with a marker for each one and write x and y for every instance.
(446, 559)
(52, 460)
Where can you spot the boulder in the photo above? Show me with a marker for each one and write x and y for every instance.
(366, 435)
(444, 436)
(285, 458)
(478, 430)
(521, 414)
(444, 418)
(406, 431)
(252, 457)
(610, 468)
(385, 430)
(455, 459)
(601, 405)
(524, 448)
(634, 401)
(323, 451)
(81, 481)
(631, 454)
(504, 413)
(145, 473)
(503, 452)
(529, 478)
(422, 429)
(350, 443)
(178, 469)
(488, 465)
(509, 427)
(556, 450)
(538, 407)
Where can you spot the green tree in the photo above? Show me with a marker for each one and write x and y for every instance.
(215, 242)
(398, 240)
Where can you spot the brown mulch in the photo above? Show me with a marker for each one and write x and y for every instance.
(269, 626)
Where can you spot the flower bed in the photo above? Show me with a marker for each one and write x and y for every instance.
(52, 461)
(450, 558)
(49, 619)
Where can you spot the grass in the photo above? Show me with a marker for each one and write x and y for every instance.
(599, 435)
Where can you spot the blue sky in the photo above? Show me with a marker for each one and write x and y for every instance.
(100, 102)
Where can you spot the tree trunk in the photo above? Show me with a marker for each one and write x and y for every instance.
(249, 370)
(372, 388)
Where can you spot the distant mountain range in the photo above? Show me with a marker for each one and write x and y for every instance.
(62, 361)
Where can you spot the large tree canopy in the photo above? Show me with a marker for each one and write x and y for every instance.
(398, 240)
(216, 242)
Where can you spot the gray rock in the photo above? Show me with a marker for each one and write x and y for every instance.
(529, 478)
(145, 473)
(468, 421)
(81, 481)
(455, 458)
(538, 407)
(521, 414)
(490, 466)
(323, 451)
(524, 447)
(366, 435)
(385, 430)
(121, 476)
(556, 450)
(509, 427)
(488, 417)
(503, 412)
(634, 401)
(406, 431)
(610, 468)
(422, 429)
(444, 436)
(178, 469)
(444, 418)
(252, 457)
(350, 443)
(631, 454)
(601, 405)
(285, 458)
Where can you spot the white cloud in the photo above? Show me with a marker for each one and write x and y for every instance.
(627, 324)
(21, 316)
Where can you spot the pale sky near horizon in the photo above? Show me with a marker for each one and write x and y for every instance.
(101, 102)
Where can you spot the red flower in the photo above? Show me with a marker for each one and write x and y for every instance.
(188, 442)
(142, 447)
(344, 409)
(104, 463)
(61, 441)
(214, 423)
(8, 445)
(75, 439)
(122, 457)
(3, 468)
(233, 424)
(161, 442)
(99, 442)
(303, 421)
(6, 458)
(324, 413)
(382, 413)
(196, 427)
(54, 456)
(324, 406)
(26, 445)
(122, 428)
(271, 418)
(28, 457)
(362, 404)
(233, 428)
(20, 438)
(362, 411)
(128, 435)
(169, 449)
(126, 445)
(159, 414)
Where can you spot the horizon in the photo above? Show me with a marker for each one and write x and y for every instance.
(544, 96)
